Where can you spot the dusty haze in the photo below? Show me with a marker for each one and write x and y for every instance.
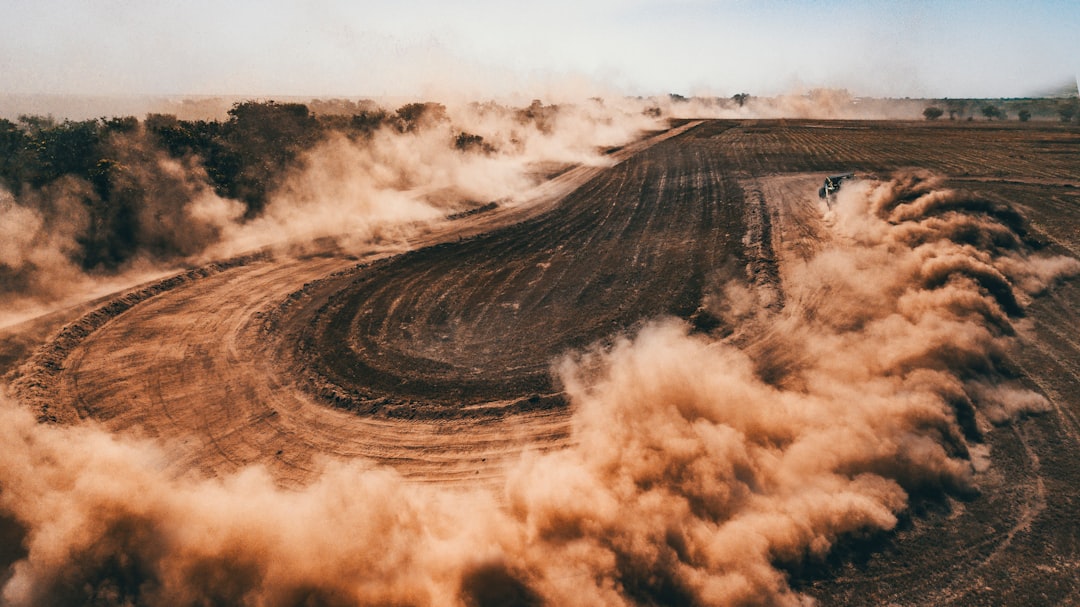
(701, 469)
(378, 188)
(357, 191)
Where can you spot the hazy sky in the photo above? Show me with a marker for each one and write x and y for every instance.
(912, 48)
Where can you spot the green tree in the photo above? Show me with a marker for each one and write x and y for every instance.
(933, 113)
(468, 142)
(1024, 115)
(13, 150)
(539, 115)
(956, 108)
(181, 138)
(414, 116)
(1068, 110)
(368, 121)
(69, 148)
(262, 140)
(34, 124)
(991, 112)
(125, 124)
(113, 232)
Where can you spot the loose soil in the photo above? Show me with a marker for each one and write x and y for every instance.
(435, 356)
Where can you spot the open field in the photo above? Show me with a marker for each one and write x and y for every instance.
(435, 356)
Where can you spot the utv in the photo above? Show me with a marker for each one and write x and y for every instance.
(832, 184)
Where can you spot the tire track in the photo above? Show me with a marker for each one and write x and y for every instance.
(426, 334)
(190, 361)
(204, 361)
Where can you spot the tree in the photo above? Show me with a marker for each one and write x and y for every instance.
(1024, 115)
(539, 115)
(124, 124)
(468, 142)
(933, 113)
(740, 98)
(262, 140)
(112, 236)
(1068, 110)
(412, 116)
(367, 122)
(69, 148)
(956, 107)
(13, 149)
(991, 112)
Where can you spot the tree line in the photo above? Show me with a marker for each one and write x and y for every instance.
(1065, 110)
(111, 165)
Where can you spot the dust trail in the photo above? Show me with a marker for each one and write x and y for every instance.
(101, 526)
(814, 103)
(707, 471)
(70, 239)
(456, 158)
(138, 211)
(703, 471)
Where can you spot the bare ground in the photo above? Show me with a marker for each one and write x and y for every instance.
(435, 360)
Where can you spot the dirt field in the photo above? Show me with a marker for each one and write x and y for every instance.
(436, 359)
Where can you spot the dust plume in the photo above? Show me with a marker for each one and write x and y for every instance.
(702, 471)
(815, 103)
(101, 204)
(42, 238)
(450, 159)
(100, 525)
(710, 470)
(140, 214)
(35, 240)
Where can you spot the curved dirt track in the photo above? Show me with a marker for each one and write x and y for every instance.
(207, 366)
(438, 358)
(475, 324)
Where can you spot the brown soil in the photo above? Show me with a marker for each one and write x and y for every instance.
(471, 327)
(436, 359)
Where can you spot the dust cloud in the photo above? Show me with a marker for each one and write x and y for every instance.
(40, 248)
(167, 215)
(163, 213)
(702, 471)
(815, 103)
(383, 187)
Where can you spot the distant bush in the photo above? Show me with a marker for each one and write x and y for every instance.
(933, 113)
(468, 142)
(109, 170)
(125, 184)
(1024, 115)
(413, 116)
(539, 115)
(1067, 111)
(367, 122)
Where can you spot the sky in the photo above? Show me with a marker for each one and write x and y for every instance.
(907, 48)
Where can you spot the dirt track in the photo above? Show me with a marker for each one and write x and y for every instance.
(470, 326)
(212, 365)
(1017, 542)
(199, 366)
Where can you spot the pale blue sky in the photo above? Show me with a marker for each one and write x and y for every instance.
(487, 47)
